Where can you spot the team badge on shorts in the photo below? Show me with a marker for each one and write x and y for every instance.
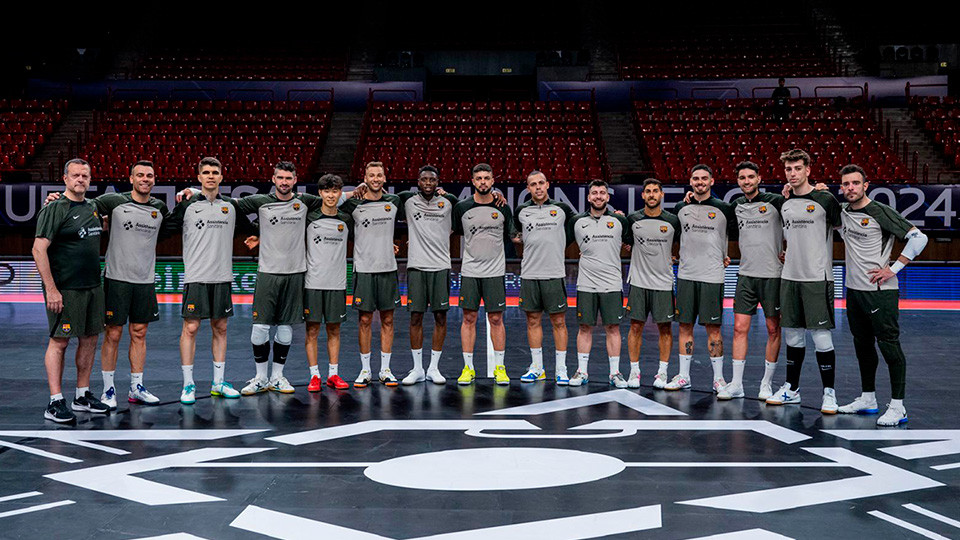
(811, 208)
(663, 228)
(356, 301)
(864, 222)
(296, 206)
(225, 209)
(254, 314)
(387, 208)
(340, 227)
(553, 213)
(306, 311)
(712, 215)
(495, 215)
(153, 214)
(95, 214)
(191, 307)
(109, 314)
(609, 224)
(65, 328)
(763, 209)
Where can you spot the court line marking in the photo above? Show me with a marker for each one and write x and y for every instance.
(749, 534)
(933, 515)
(38, 452)
(946, 467)
(37, 508)
(907, 525)
(20, 496)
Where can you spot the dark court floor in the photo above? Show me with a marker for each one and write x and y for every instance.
(524, 461)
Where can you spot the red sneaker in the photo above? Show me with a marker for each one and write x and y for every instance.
(336, 382)
(315, 384)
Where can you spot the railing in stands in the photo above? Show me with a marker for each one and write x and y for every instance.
(864, 90)
(693, 91)
(753, 91)
(674, 91)
(908, 87)
(953, 172)
(231, 94)
(310, 91)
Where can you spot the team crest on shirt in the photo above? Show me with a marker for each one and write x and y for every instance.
(225, 209)
(712, 215)
(663, 228)
(153, 214)
(340, 227)
(811, 208)
(65, 328)
(763, 209)
(609, 224)
(864, 222)
(387, 208)
(191, 307)
(296, 206)
(440, 204)
(495, 215)
(553, 213)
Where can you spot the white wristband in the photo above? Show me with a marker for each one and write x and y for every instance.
(896, 267)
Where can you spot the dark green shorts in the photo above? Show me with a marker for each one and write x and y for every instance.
(207, 301)
(658, 304)
(136, 302)
(490, 289)
(806, 304)
(376, 291)
(82, 313)
(874, 314)
(608, 304)
(321, 306)
(537, 295)
(278, 299)
(752, 291)
(428, 290)
(698, 300)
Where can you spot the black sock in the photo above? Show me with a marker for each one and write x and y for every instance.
(280, 352)
(261, 353)
(827, 361)
(794, 363)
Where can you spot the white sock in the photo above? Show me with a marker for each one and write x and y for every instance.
(385, 360)
(81, 391)
(685, 360)
(662, 368)
(365, 361)
(897, 403)
(536, 359)
(332, 370)
(561, 362)
(614, 364)
(768, 369)
(262, 370)
(135, 379)
(738, 366)
(107, 380)
(277, 370)
(498, 357)
(635, 367)
(56, 397)
(582, 360)
(187, 374)
(468, 359)
(314, 371)
(717, 363)
(435, 359)
(218, 369)
(417, 355)
(869, 396)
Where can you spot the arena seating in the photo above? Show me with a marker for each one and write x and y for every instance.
(561, 138)
(941, 120)
(675, 135)
(250, 65)
(25, 125)
(249, 137)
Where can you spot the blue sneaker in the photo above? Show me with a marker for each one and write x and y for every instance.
(562, 379)
(533, 375)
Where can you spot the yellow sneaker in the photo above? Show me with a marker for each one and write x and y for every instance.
(500, 375)
(466, 376)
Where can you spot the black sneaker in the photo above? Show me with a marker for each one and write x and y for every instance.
(58, 412)
(89, 403)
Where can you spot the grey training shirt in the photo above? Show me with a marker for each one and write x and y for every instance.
(542, 227)
(600, 240)
(761, 235)
(429, 224)
(484, 228)
(374, 223)
(868, 235)
(134, 229)
(703, 245)
(651, 258)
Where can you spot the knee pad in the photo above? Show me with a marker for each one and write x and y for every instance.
(822, 340)
(284, 335)
(795, 337)
(260, 334)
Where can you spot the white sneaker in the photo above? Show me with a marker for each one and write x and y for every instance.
(579, 379)
(617, 380)
(255, 385)
(784, 396)
(415, 376)
(142, 395)
(730, 391)
(677, 383)
(633, 381)
(829, 405)
(533, 375)
(718, 385)
(282, 385)
(434, 376)
(224, 390)
(109, 398)
(363, 379)
(387, 378)
(660, 380)
(766, 390)
(894, 416)
(189, 394)
(562, 378)
(857, 406)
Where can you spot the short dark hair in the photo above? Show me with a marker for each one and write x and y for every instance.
(141, 163)
(747, 165)
(653, 182)
(536, 172)
(209, 161)
(374, 164)
(701, 167)
(74, 161)
(286, 166)
(796, 155)
(428, 168)
(330, 181)
(481, 167)
(597, 183)
(852, 168)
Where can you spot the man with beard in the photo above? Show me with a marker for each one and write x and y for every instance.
(706, 222)
(484, 227)
(653, 233)
(600, 234)
(541, 224)
(375, 285)
(873, 310)
(67, 254)
(758, 278)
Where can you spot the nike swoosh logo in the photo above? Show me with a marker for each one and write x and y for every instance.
(198, 210)
(157, 314)
(562, 306)
(875, 310)
(228, 310)
(585, 225)
(501, 304)
(714, 318)
(76, 217)
(822, 322)
(125, 211)
(669, 316)
(776, 308)
(444, 303)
